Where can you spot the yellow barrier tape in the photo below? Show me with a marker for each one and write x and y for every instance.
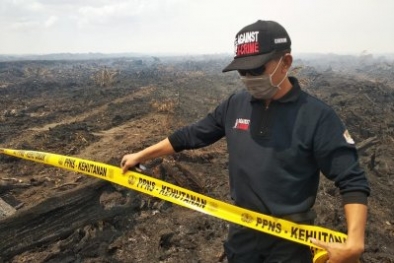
(285, 229)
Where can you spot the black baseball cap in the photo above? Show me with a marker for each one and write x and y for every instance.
(257, 43)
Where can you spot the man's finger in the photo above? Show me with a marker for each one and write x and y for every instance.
(123, 161)
(124, 169)
(124, 166)
(319, 243)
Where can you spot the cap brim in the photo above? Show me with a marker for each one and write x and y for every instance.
(250, 62)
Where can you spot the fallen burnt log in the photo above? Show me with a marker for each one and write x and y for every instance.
(362, 146)
(182, 176)
(57, 217)
(11, 183)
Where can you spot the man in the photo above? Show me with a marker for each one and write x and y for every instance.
(279, 138)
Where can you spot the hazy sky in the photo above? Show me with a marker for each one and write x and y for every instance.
(192, 27)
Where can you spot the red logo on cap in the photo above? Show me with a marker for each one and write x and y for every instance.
(247, 43)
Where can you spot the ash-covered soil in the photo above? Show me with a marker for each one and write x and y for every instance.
(102, 109)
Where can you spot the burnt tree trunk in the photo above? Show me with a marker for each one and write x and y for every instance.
(56, 217)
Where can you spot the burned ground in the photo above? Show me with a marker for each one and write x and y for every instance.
(102, 109)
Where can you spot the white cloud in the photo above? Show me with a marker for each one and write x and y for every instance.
(50, 21)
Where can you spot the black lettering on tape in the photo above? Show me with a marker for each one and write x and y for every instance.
(324, 236)
(301, 234)
(70, 163)
(92, 168)
(139, 182)
(305, 235)
(163, 190)
(182, 196)
(146, 184)
(294, 232)
(269, 225)
(36, 156)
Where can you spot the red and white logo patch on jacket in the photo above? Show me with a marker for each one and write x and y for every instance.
(241, 124)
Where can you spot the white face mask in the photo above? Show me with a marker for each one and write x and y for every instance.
(261, 87)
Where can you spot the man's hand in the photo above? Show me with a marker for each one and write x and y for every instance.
(129, 161)
(340, 252)
(157, 150)
(351, 250)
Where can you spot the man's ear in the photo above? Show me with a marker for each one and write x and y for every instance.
(287, 61)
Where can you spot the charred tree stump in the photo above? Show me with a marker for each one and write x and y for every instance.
(56, 217)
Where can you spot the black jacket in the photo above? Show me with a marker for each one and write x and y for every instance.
(276, 153)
